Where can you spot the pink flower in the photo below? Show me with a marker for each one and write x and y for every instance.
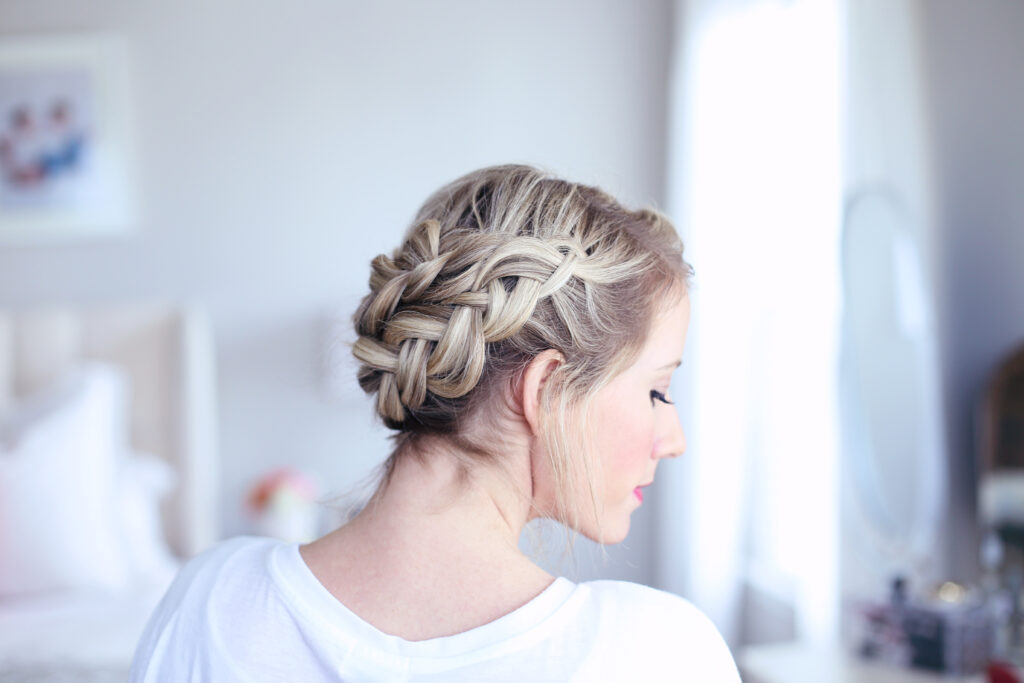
(275, 482)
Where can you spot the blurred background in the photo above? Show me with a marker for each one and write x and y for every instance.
(846, 176)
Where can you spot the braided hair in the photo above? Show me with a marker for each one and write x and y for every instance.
(497, 267)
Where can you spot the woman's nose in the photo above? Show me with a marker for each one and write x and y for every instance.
(672, 441)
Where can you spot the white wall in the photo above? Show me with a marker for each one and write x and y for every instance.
(975, 58)
(282, 145)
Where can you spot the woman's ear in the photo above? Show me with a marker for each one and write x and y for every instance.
(534, 380)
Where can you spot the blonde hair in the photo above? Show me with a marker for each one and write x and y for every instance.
(497, 267)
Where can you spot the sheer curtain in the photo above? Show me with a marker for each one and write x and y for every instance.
(755, 185)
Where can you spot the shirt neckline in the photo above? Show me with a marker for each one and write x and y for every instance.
(523, 625)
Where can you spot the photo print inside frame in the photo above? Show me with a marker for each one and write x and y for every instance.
(45, 146)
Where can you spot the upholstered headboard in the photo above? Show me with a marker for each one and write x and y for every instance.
(167, 353)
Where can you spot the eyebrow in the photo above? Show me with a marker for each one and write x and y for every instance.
(670, 366)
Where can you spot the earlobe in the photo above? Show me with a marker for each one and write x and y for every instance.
(534, 380)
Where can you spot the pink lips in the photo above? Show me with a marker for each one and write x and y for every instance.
(639, 491)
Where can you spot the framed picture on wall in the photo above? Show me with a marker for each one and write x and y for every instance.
(65, 139)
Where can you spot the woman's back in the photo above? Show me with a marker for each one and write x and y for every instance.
(251, 609)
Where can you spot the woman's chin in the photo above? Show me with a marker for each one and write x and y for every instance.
(611, 531)
(613, 534)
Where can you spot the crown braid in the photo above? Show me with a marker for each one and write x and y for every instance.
(498, 266)
(425, 326)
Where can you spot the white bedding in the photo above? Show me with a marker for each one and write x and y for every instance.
(95, 469)
(85, 636)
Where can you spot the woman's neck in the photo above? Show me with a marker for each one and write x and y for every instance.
(433, 503)
(435, 541)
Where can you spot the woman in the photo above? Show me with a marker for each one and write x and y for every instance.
(520, 342)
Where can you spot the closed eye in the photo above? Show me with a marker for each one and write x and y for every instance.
(658, 396)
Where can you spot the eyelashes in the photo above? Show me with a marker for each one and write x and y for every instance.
(658, 396)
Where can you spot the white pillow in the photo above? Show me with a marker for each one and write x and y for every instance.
(143, 481)
(57, 486)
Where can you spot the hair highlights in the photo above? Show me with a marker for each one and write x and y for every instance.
(499, 266)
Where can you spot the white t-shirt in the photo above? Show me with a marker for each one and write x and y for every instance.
(251, 610)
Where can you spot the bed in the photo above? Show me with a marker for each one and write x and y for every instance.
(108, 477)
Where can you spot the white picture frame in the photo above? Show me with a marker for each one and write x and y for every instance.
(65, 139)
